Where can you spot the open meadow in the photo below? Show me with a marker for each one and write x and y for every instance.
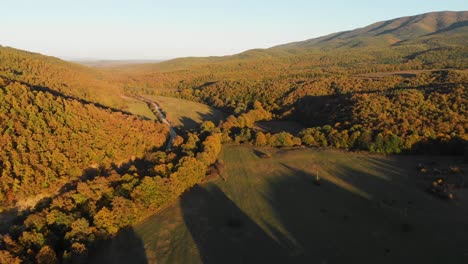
(138, 107)
(184, 114)
(270, 208)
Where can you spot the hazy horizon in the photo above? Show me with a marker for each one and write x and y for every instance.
(154, 30)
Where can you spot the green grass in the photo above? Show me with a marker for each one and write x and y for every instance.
(368, 209)
(138, 107)
(184, 114)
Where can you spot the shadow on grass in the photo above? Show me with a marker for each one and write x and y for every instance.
(188, 123)
(335, 223)
(223, 233)
(7, 219)
(125, 247)
(261, 154)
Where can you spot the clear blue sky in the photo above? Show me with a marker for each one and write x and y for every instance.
(153, 29)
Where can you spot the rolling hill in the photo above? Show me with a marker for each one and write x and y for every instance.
(48, 141)
(68, 164)
(63, 77)
(391, 32)
(70, 158)
(74, 114)
(400, 37)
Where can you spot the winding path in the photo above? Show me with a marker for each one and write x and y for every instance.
(163, 119)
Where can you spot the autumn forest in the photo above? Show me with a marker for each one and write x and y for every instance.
(84, 153)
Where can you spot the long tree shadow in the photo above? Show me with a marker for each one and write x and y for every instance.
(333, 222)
(188, 123)
(223, 233)
(125, 247)
(454, 146)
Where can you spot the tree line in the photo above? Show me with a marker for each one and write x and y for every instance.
(402, 121)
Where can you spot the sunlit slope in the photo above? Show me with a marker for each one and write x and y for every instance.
(48, 140)
(391, 31)
(67, 78)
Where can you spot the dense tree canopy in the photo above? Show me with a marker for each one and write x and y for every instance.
(58, 76)
(99, 170)
(47, 141)
(66, 225)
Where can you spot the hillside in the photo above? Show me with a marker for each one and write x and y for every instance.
(75, 171)
(48, 140)
(391, 32)
(67, 78)
(111, 194)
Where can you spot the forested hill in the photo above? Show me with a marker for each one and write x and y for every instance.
(74, 173)
(74, 169)
(48, 140)
(70, 79)
(428, 41)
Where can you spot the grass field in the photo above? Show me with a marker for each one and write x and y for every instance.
(137, 107)
(368, 209)
(184, 114)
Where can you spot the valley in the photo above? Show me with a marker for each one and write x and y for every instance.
(346, 148)
(154, 106)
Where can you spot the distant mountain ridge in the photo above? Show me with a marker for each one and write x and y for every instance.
(419, 36)
(394, 30)
(112, 63)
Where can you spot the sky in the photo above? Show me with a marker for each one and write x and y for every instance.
(154, 29)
